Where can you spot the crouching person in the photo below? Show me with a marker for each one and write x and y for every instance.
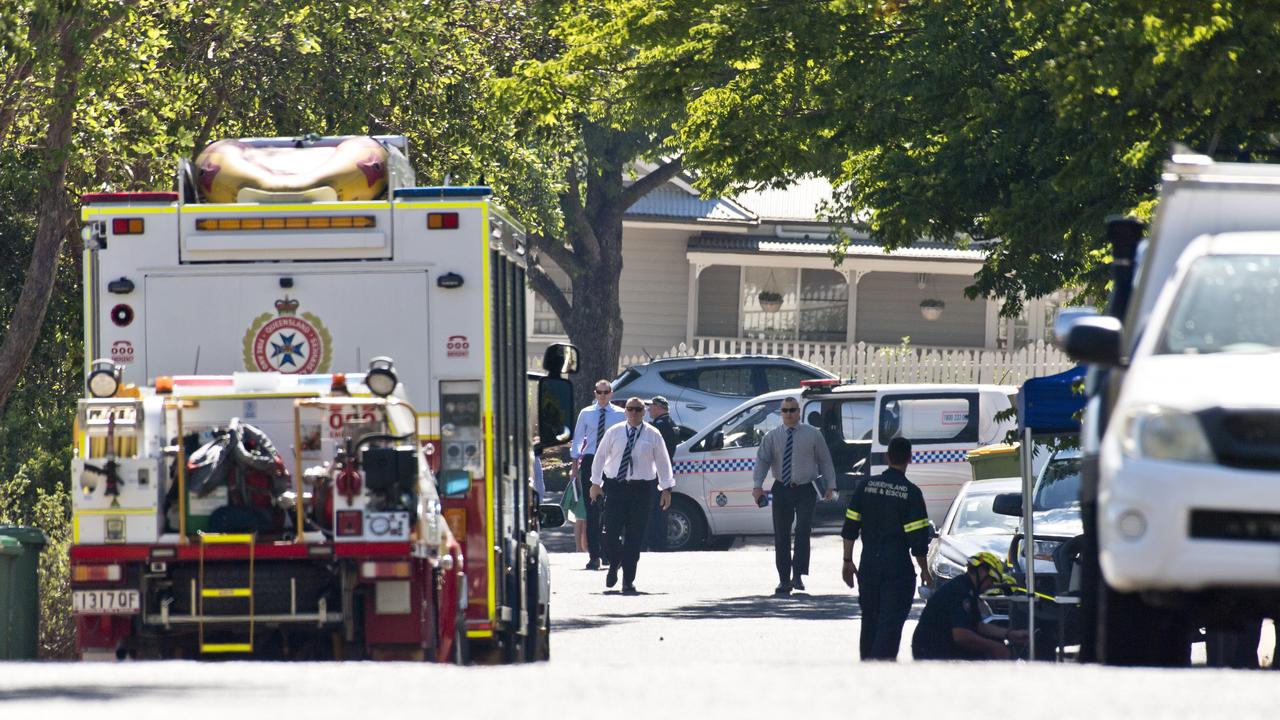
(951, 626)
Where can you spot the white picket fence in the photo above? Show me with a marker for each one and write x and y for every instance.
(865, 364)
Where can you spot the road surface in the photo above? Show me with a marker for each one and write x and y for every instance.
(705, 639)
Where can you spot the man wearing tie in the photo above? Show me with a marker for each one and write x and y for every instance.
(802, 471)
(630, 460)
(593, 421)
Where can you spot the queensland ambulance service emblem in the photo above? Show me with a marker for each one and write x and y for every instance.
(287, 342)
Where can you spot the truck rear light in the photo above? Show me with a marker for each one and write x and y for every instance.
(96, 573)
(373, 570)
(442, 221)
(127, 226)
(286, 223)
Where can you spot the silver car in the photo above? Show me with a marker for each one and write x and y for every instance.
(701, 389)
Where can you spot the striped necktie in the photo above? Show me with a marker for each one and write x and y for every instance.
(600, 429)
(625, 465)
(786, 456)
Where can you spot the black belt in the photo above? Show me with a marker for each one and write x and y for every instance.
(636, 480)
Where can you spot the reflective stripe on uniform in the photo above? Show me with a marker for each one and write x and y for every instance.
(853, 515)
(917, 525)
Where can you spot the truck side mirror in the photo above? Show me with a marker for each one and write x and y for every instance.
(555, 412)
(1008, 504)
(550, 515)
(1094, 340)
(560, 359)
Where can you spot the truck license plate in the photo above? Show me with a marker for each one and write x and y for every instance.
(106, 602)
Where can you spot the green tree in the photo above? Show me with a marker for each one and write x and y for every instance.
(1020, 125)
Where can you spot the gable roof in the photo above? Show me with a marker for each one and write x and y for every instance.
(675, 203)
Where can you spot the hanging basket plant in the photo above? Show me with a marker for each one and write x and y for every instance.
(931, 308)
(770, 301)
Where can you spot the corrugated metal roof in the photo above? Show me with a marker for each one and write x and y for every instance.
(714, 242)
(798, 201)
(670, 201)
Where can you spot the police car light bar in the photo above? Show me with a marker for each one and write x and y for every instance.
(823, 383)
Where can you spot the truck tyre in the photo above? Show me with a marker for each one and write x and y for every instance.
(1133, 632)
(686, 527)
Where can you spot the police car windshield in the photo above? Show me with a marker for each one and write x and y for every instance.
(975, 517)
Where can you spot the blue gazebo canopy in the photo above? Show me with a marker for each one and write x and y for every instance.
(1048, 405)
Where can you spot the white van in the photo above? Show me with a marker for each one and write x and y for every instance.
(713, 469)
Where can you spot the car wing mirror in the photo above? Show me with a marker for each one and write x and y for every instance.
(715, 441)
(1094, 340)
(1008, 504)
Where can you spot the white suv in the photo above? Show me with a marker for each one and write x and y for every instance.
(1190, 464)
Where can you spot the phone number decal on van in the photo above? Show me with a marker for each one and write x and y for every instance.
(955, 418)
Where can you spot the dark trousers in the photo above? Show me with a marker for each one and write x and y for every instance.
(626, 515)
(595, 511)
(792, 503)
(656, 535)
(885, 603)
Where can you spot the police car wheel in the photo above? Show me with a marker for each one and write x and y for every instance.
(686, 528)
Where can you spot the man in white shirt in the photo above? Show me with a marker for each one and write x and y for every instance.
(592, 422)
(630, 459)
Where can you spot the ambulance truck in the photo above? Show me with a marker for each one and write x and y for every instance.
(277, 265)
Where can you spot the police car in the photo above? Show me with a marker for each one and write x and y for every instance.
(713, 469)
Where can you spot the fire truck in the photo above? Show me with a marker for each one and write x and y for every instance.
(220, 316)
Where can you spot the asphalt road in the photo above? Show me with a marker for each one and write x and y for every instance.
(704, 639)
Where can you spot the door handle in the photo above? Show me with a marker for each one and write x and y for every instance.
(695, 406)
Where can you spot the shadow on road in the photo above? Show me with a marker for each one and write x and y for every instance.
(91, 694)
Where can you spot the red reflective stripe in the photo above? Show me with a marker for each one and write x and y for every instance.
(368, 549)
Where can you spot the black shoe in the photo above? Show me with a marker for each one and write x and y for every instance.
(629, 589)
(593, 564)
(612, 578)
(784, 588)
(797, 583)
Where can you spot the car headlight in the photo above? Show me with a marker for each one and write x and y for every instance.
(1160, 433)
(944, 568)
(1044, 549)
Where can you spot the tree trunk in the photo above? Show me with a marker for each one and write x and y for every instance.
(594, 324)
(52, 226)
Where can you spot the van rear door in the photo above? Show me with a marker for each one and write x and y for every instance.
(942, 427)
(288, 321)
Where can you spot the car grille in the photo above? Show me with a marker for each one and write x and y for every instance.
(1235, 525)
(1248, 439)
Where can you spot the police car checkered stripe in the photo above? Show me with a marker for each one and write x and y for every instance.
(927, 457)
(715, 466)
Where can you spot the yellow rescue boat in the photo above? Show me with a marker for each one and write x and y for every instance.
(231, 171)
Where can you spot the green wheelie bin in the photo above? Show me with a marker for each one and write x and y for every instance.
(20, 592)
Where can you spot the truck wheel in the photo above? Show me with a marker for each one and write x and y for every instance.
(1134, 632)
(686, 527)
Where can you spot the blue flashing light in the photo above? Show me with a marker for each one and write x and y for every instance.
(452, 191)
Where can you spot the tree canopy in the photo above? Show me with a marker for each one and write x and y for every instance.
(1020, 125)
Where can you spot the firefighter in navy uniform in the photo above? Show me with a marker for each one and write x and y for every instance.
(951, 626)
(888, 511)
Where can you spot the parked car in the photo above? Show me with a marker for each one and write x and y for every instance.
(713, 469)
(1058, 530)
(701, 389)
(972, 526)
